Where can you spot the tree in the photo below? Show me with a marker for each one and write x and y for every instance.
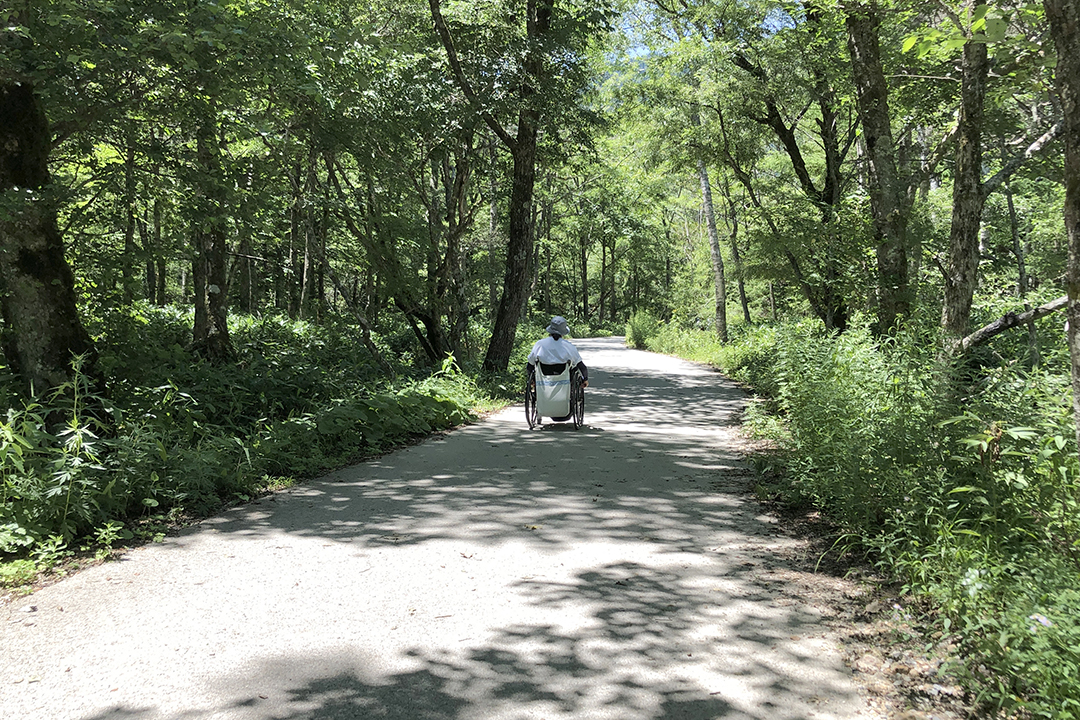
(885, 189)
(1064, 18)
(551, 45)
(42, 329)
(970, 191)
(719, 281)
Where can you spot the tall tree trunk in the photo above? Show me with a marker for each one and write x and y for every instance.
(244, 271)
(159, 292)
(736, 257)
(538, 17)
(886, 194)
(456, 179)
(547, 276)
(294, 269)
(602, 302)
(493, 232)
(307, 277)
(201, 328)
(962, 269)
(42, 330)
(281, 287)
(210, 338)
(719, 281)
(1064, 18)
(518, 248)
(1021, 268)
(149, 267)
(583, 252)
(130, 259)
(613, 304)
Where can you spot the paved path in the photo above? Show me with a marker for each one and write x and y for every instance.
(615, 572)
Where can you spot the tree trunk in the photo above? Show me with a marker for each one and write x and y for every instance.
(457, 179)
(962, 270)
(159, 291)
(886, 194)
(1021, 268)
(518, 248)
(294, 270)
(149, 266)
(42, 330)
(1009, 321)
(602, 300)
(210, 337)
(1064, 18)
(281, 287)
(583, 252)
(719, 282)
(128, 264)
(243, 273)
(493, 232)
(523, 150)
(733, 215)
(201, 328)
(307, 277)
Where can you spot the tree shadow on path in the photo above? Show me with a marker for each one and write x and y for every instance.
(629, 575)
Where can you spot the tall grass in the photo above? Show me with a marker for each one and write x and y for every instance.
(960, 481)
(187, 436)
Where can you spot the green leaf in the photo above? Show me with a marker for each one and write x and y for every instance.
(995, 29)
(1022, 433)
(909, 43)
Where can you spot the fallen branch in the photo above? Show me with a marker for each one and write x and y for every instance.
(1011, 320)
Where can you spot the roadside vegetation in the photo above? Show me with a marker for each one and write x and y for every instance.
(242, 243)
(178, 437)
(958, 481)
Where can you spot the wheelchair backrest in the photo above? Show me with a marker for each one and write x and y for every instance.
(553, 392)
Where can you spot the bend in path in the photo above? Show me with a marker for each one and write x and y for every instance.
(619, 571)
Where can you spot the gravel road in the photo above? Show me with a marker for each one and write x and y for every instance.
(621, 571)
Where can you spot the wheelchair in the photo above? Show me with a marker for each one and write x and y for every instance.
(556, 392)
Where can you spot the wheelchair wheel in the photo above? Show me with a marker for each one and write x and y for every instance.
(532, 415)
(577, 400)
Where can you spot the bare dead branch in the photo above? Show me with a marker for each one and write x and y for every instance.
(1011, 320)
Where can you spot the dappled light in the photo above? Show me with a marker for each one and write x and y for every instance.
(621, 571)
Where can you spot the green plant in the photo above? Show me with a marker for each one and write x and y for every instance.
(640, 329)
(960, 482)
(15, 573)
(49, 552)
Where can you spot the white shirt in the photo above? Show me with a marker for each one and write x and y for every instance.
(552, 352)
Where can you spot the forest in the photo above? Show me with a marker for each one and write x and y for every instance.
(243, 243)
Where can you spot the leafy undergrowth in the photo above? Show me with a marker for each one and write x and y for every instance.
(178, 438)
(959, 481)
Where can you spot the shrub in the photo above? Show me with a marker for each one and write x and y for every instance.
(640, 329)
(961, 482)
(300, 400)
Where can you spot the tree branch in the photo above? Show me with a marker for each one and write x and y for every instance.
(1011, 320)
(1012, 165)
(462, 81)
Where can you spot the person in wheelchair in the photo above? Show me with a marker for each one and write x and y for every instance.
(553, 352)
